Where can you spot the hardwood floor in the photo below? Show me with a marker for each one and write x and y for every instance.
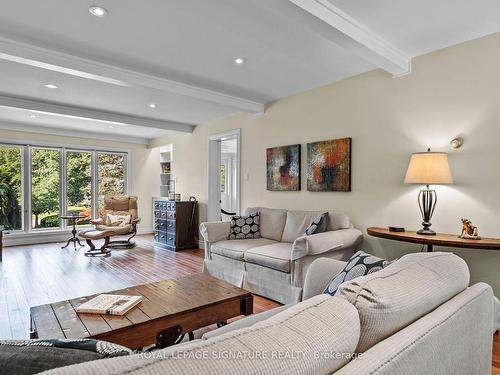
(39, 274)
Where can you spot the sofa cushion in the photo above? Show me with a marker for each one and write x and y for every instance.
(298, 221)
(272, 222)
(404, 291)
(276, 256)
(236, 248)
(296, 224)
(248, 321)
(338, 220)
(360, 264)
(243, 227)
(287, 343)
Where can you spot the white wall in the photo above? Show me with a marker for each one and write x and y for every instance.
(450, 92)
(144, 178)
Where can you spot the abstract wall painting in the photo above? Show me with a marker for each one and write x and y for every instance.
(283, 168)
(329, 165)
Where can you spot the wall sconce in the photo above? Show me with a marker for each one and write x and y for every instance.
(457, 142)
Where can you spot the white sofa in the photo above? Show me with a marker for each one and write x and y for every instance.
(418, 316)
(275, 265)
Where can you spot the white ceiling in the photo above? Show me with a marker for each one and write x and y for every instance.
(179, 55)
(419, 27)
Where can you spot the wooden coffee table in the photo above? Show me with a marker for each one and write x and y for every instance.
(169, 309)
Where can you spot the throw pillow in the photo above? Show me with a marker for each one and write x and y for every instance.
(360, 264)
(25, 357)
(318, 225)
(118, 220)
(243, 227)
(115, 224)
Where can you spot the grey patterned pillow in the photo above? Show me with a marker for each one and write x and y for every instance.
(243, 227)
(318, 225)
(360, 264)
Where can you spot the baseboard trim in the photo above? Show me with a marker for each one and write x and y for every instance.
(33, 238)
(144, 230)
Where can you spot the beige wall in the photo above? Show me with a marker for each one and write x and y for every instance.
(144, 179)
(450, 92)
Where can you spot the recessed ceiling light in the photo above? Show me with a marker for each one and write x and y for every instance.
(51, 86)
(152, 105)
(239, 60)
(111, 126)
(98, 11)
(33, 116)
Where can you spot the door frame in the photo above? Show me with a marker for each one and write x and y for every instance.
(214, 160)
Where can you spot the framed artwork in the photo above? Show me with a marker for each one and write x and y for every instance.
(283, 168)
(329, 165)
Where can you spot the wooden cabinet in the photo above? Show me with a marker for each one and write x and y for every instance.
(175, 224)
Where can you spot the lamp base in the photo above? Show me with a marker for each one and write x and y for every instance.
(427, 232)
(427, 203)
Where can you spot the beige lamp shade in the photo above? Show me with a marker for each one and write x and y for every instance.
(429, 168)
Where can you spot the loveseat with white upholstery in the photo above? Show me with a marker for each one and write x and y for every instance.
(274, 266)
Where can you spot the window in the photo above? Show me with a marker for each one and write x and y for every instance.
(111, 176)
(11, 187)
(222, 178)
(47, 182)
(79, 184)
(45, 185)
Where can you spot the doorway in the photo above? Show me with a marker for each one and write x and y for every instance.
(224, 176)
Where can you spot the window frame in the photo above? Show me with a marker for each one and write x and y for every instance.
(26, 185)
(93, 183)
(29, 196)
(126, 189)
(23, 187)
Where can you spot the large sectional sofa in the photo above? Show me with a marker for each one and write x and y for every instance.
(274, 266)
(417, 316)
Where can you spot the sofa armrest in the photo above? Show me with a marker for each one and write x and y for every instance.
(319, 274)
(324, 242)
(214, 231)
(98, 221)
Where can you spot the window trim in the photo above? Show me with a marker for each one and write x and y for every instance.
(26, 185)
(28, 197)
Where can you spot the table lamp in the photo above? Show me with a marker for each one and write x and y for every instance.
(428, 168)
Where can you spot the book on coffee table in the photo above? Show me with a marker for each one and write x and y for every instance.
(112, 304)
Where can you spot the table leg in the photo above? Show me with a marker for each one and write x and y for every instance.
(67, 243)
(73, 238)
(429, 248)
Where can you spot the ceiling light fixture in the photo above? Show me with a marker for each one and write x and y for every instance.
(98, 11)
(33, 116)
(51, 86)
(111, 126)
(152, 105)
(239, 60)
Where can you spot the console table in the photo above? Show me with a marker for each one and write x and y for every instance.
(440, 239)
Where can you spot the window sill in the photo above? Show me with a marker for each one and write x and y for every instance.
(36, 237)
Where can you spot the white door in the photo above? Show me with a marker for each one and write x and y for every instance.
(223, 176)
